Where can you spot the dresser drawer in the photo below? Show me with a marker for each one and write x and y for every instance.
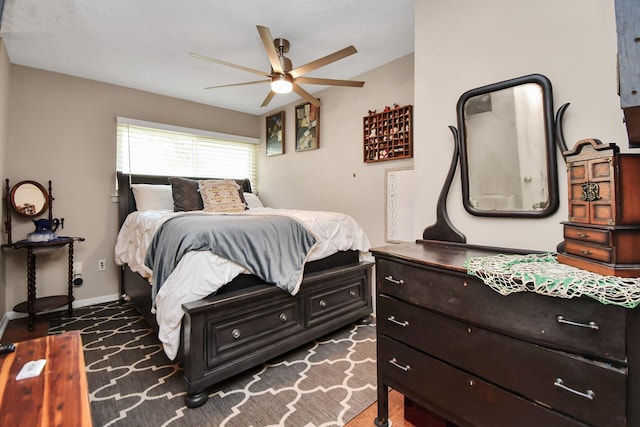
(449, 390)
(532, 371)
(579, 324)
(586, 250)
(592, 235)
(618, 245)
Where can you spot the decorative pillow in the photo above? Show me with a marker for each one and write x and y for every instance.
(186, 196)
(221, 195)
(151, 197)
(252, 201)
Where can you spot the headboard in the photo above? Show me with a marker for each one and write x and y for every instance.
(127, 203)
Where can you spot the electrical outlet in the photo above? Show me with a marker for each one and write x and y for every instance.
(77, 268)
(102, 265)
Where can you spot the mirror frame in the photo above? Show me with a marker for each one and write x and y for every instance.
(552, 168)
(40, 187)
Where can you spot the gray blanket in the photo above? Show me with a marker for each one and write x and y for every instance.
(273, 248)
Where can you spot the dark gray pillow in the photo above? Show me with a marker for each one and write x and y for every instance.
(186, 196)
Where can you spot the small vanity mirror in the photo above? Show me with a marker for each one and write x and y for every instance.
(29, 198)
(507, 149)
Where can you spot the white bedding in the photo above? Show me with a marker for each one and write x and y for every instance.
(201, 273)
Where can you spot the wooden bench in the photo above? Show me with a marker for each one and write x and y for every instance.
(59, 396)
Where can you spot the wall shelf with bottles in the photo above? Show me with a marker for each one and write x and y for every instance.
(388, 135)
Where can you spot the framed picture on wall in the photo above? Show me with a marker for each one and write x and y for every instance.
(307, 127)
(275, 134)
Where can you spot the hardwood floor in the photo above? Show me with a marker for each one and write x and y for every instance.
(396, 413)
(17, 330)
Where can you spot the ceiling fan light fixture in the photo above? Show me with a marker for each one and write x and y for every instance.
(281, 83)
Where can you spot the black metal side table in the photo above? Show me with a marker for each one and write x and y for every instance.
(35, 305)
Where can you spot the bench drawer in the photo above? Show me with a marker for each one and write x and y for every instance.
(349, 295)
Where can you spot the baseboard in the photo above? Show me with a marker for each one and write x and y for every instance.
(12, 315)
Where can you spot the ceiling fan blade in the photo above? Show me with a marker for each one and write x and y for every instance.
(326, 60)
(239, 84)
(268, 99)
(272, 53)
(306, 95)
(228, 64)
(329, 82)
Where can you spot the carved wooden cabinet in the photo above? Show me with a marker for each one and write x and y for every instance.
(475, 357)
(388, 135)
(602, 233)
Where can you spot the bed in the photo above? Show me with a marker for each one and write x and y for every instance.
(234, 320)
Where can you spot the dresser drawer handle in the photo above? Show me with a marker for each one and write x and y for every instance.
(395, 363)
(392, 280)
(590, 325)
(323, 303)
(397, 322)
(235, 333)
(582, 234)
(590, 394)
(585, 252)
(283, 317)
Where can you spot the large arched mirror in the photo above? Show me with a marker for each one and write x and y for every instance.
(507, 149)
(29, 198)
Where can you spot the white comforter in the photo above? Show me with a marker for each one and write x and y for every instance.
(201, 273)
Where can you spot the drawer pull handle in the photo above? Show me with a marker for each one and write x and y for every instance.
(235, 333)
(283, 317)
(323, 303)
(583, 235)
(397, 322)
(395, 363)
(590, 394)
(352, 293)
(392, 280)
(590, 325)
(585, 252)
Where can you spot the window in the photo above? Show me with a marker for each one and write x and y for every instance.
(156, 149)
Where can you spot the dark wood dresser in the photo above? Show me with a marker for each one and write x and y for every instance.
(466, 353)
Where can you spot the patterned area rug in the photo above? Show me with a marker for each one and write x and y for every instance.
(132, 382)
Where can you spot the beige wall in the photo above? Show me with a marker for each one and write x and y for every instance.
(334, 177)
(4, 123)
(572, 42)
(63, 129)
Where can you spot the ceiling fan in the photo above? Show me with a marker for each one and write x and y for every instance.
(283, 77)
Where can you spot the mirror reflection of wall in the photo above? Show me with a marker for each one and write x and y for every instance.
(507, 149)
(28, 200)
(505, 131)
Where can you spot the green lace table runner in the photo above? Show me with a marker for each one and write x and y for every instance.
(543, 274)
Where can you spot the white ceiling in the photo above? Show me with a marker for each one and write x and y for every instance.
(145, 44)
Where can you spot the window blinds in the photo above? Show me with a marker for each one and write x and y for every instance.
(156, 149)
